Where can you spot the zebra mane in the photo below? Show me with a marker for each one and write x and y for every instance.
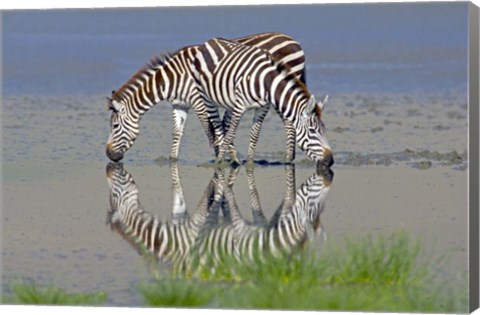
(160, 60)
(132, 83)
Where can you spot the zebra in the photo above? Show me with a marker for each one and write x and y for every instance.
(293, 224)
(240, 78)
(172, 240)
(188, 243)
(169, 77)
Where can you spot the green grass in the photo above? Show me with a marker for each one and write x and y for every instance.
(373, 274)
(369, 274)
(23, 293)
(177, 293)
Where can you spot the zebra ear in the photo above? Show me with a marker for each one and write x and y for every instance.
(323, 102)
(310, 108)
(116, 106)
(113, 105)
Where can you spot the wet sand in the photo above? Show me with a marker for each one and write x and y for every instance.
(400, 164)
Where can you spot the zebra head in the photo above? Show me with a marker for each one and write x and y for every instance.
(311, 138)
(124, 129)
(123, 191)
(318, 187)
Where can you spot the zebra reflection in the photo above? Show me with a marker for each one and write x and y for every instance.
(216, 227)
(293, 223)
(170, 241)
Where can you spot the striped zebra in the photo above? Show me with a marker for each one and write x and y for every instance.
(240, 78)
(289, 229)
(170, 241)
(170, 78)
(188, 243)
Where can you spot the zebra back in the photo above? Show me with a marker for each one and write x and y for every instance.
(283, 48)
(229, 72)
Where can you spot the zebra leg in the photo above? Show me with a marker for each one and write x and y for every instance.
(215, 126)
(226, 124)
(289, 196)
(214, 136)
(179, 207)
(179, 118)
(230, 181)
(255, 131)
(259, 218)
(227, 117)
(291, 141)
(226, 120)
(202, 219)
(237, 220)
(210, 121)
(229, 137)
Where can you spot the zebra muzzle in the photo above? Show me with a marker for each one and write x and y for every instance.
(113, 155)
(327, 158)
(111, 168)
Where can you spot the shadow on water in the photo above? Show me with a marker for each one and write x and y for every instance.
(216, 230)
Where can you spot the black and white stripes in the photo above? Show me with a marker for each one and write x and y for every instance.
(171, 241)
(187, 242)
(240, 78)
(170, 78)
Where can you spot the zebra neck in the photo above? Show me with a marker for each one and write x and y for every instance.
(288, 96)
(168, 79)
(173, 79)
(291, 111)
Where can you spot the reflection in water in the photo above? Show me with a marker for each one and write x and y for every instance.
(216, 228)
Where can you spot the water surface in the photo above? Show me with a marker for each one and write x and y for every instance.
(397, 122)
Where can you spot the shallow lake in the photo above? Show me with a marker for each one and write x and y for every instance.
(396, 119)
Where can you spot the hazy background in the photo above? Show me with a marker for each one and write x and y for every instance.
(407, 47)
